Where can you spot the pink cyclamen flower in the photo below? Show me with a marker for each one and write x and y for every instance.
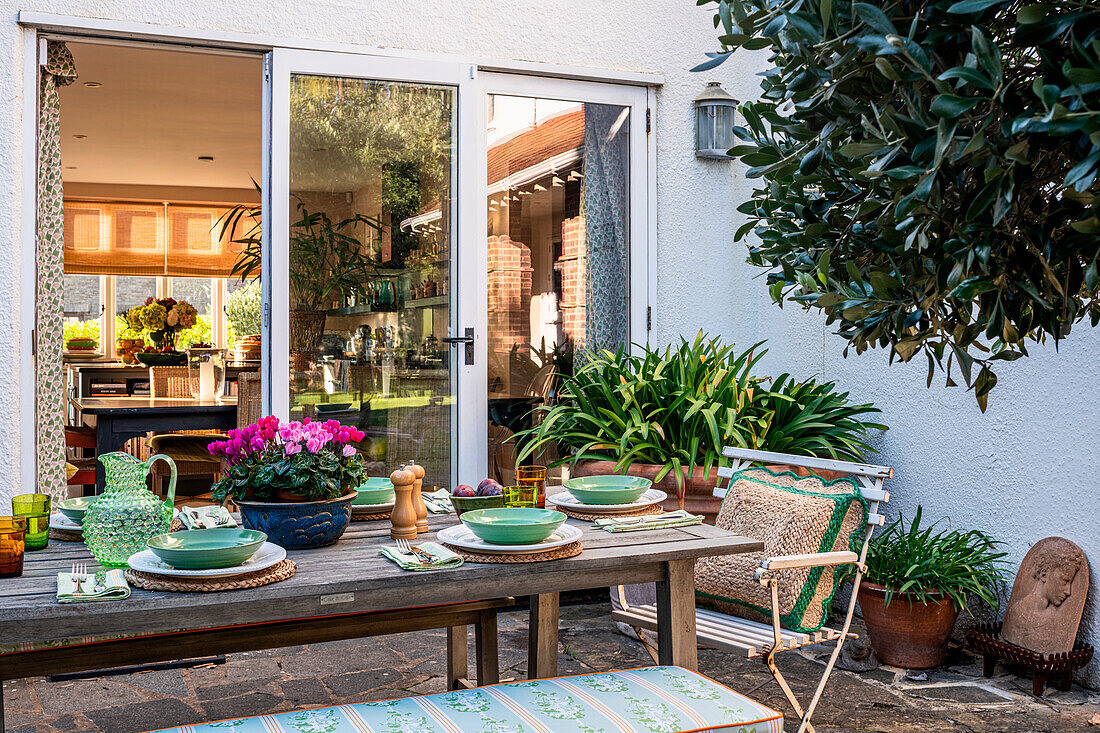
(292, 448)
(348, 451)
(313, 445)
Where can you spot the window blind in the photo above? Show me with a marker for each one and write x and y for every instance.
(109, 238)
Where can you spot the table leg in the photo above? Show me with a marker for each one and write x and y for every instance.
(676, 643)
(457, 669)
(542, 639)
(485, 645)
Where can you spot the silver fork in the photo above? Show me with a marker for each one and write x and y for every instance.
(80, 574)
(408, 549)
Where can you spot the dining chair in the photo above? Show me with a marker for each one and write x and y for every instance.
(81, 468)
(249, 398)
(186, 447)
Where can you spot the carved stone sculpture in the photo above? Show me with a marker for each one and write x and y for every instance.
(1048, 597)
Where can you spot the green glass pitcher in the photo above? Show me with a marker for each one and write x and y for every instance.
(124, 517)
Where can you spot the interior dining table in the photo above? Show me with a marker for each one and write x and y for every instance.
(118, 419)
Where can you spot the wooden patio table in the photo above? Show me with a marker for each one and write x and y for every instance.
(350, 579)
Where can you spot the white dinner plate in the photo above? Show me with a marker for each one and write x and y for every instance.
(60, 521)
(371, 508)
(567, 500)
(459, 535)
(269, 554)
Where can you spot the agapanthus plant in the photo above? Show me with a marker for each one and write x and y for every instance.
(313, 459)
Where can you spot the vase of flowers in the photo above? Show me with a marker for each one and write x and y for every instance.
(294, 481)
(161, 320)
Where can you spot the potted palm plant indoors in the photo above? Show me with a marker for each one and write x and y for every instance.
(294, 481)
(666, 415)
(329, 265)
(917, 581)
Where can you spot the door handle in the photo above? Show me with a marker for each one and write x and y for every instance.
(468, 339)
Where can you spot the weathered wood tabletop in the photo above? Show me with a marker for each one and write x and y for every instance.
(350, 577)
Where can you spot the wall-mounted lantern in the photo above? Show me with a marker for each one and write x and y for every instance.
(714, 110)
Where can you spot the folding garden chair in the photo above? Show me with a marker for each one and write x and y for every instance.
(854, 523)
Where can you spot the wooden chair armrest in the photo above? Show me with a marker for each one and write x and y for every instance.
(813, 560)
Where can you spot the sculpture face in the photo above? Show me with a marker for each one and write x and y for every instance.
(1058, 584)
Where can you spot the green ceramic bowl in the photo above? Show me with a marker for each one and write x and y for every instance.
(463, 504)
(513, 525)
(75, 507)
(607, 489)
(200, 549)
(374, 491)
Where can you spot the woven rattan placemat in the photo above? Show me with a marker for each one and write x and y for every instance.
(370, 517)
(66, 535)
(558, 553)
(645, 511)
(147, 581)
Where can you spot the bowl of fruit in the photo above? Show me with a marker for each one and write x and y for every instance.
(488, 495)
(161, 357)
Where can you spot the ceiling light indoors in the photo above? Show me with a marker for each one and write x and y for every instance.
(206, 158)
(80, 137)
(92, 84)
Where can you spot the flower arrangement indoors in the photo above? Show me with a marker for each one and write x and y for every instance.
(161, 320)
(295, 481)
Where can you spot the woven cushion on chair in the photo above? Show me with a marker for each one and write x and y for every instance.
(791, 515)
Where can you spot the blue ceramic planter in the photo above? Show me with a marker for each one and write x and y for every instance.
(299, 525)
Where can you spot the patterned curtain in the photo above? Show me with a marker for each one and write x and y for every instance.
(58, 71)
(604, 208)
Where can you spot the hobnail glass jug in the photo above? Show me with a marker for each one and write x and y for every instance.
(124, 517)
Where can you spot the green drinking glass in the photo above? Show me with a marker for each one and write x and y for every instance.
(35, 508)
(520, 496)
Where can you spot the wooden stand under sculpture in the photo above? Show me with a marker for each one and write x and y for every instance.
(403, 517)
(418, 498)
(1040, 628)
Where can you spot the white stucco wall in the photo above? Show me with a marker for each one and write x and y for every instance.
(1022, 471)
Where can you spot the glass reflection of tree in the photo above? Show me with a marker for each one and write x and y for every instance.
(348, 132)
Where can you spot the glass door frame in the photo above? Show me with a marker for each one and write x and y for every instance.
(284, 63)
(641, 210)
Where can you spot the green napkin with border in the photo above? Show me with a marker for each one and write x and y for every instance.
(441, 557)
(439, 502)
(678, 518)
(101, 586)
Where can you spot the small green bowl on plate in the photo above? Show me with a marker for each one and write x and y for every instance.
(374, 491)
(463, 504)
(202, 549)
(74, 508)
(607, 489)
(513, 525)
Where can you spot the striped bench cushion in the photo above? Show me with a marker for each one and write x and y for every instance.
(649, 700)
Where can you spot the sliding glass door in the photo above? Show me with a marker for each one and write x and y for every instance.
(566, 235)
(442, 246)
(363, 250)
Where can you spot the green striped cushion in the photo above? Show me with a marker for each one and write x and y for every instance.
(649, 700)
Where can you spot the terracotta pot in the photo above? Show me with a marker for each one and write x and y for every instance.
(284, 495)
(908, 633)
(698, 489)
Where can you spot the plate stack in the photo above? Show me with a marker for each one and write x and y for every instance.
(594, 497)
(226, 558)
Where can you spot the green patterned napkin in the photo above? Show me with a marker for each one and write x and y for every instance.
(439, 502)
(441, 557)
(102, 586)
(678, 518)
(205, 517)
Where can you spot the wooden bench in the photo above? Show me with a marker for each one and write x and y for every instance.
(754, 639)
(94, 653)
(668, 699)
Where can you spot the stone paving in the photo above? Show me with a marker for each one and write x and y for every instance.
(953, 699)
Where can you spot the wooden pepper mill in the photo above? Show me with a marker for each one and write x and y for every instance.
(418, 498)
(403, 516)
